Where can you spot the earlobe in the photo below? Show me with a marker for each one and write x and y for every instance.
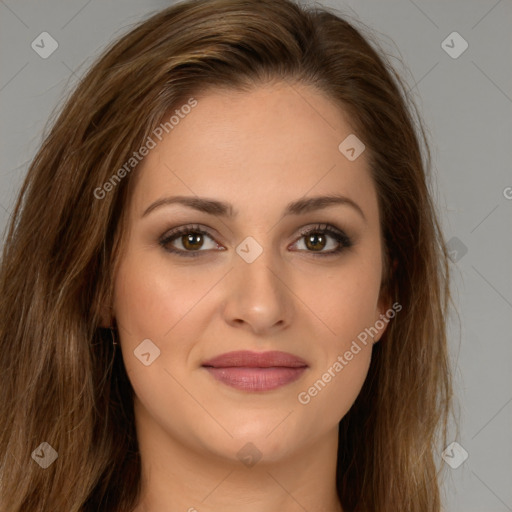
(385, 304)
(105, 313)
(382, 319)
(381, 325)
(106, 320)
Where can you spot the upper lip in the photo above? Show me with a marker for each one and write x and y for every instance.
(248, 359)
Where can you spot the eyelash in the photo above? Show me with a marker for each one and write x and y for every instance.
(343, 240)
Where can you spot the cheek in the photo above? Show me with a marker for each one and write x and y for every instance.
(151, 297)
(163, 303)
(331, 393)
(345, 299)
(347, 307)
(154, 301)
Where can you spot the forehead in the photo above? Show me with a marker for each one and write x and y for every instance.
(254, 149)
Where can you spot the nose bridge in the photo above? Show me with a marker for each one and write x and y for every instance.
(257, 295)
(259, 276)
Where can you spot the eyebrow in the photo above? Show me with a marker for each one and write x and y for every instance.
(223, 209)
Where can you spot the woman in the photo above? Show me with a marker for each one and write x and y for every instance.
(224, 286)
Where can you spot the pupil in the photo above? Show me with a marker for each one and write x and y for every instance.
(192, 240)
(315, 241)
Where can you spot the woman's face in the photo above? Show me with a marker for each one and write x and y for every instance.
(251, 281)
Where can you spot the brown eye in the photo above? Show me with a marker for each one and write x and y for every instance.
(315, 241)
(192, 241)
(189, 241)
(323, 240)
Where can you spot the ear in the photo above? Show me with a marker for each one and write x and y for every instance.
(106, 318)
(105, 313)
(385, 310)
(381, 317)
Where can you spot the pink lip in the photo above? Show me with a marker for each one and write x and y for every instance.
(256, 371)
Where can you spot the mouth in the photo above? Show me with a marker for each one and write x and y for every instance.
(256, 371)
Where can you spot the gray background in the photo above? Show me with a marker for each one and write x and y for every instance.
(466, 103)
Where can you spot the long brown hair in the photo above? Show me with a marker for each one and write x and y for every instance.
(63, 384)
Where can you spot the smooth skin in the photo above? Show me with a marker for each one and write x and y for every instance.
(258, 151)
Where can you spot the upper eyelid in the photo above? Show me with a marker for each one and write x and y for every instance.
(179, 230)
(175, 232)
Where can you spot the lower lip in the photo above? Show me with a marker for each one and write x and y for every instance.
(256, 379)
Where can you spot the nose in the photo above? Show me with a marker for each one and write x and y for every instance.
(258, 297)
